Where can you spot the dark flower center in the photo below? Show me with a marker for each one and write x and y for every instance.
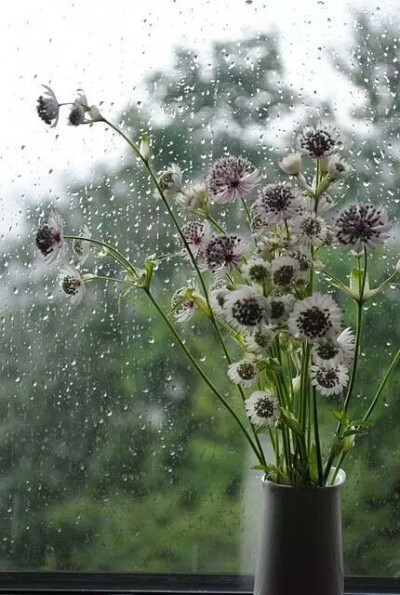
(314, 322)
(247, 312)
(264, 407)
(246, 371)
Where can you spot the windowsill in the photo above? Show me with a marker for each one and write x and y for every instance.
(113, 583)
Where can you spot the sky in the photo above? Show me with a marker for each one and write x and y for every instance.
(107, 48)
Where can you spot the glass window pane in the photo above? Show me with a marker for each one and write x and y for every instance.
(114, 454)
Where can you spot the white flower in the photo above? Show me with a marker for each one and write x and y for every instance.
(284, 271)
(183, 307)
(318, 143)
(170, 181)
(243, 372)
(197, 235)
(291, 164)
(263, 409)
(330, 379)
(338, 168)
(277, 203)
(231, 178)
(315, 317)
(194, 199)
(309, 230)
(245, 309)
(72, 284)
(260, 340)
(346, 343)
(218, 298)
(279, 308)
(79, 108)
(81, 248)
(222, 253)
(362, 226)
(257, 270)
(49, 237)
(48, 108)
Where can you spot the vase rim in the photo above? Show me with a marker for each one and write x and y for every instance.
(339, 482)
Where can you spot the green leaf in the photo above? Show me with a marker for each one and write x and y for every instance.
(290, 420)
(313, 465)
(341, 417)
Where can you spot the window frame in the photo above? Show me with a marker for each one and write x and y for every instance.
(26, 582)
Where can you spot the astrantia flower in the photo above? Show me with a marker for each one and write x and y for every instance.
(257, 270)
(260, 340)
(170, 181)
(72, 284)
(231, 178)
(81, 248)
(277, 202)
(245, 309)
(362, 226)
(284, 270)
(222, 253)
(243, 372)
(329, 380)
(197, 234)
(338, 168)
(194, 199)
(48, 108)
(318, 142)
(279, 308)
(346, 343)
(291, 164)
(49, 237)
(309, 230)
(218, 298)
(78, 110)
(326, 351)
(183, 307)
(262, 408)
(315, 317)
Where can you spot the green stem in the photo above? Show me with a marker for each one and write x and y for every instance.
(395, 360)
(215, 224)
(120, 258)
(193, 259)
(317, 440)
(202, 374)
(247, 210)
(100, 278)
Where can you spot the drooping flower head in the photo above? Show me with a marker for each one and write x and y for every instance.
(170, 181)
(243, 372)
(332, 351)
(329, 379)
(72, 284)
(262, 408)
(183, 307)
(194, 199)
(338, 168)
(315, 317)
(245, 309)
(277, 202)
(291, 164)
(231, 178)
(49, 237)
(223, 253)
(78, 110)
(362, 226)
(81, 248)
(318, 143)
(48, 108)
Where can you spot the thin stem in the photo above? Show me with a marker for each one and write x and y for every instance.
(113, 252)
(203, 374)
(247, 210)
(193, 259)
(317, 440)
(215, 224)
(395, 360)
(100, 278)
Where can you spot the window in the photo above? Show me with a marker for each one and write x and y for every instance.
(114, 457)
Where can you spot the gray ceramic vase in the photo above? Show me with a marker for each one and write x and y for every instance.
(300, 551)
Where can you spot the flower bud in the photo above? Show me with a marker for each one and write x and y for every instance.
(291, 164)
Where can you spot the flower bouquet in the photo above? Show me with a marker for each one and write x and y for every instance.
(261, 289)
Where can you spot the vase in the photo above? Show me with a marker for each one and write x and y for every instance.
(300, 551)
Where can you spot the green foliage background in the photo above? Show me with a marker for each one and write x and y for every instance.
(113, 455)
